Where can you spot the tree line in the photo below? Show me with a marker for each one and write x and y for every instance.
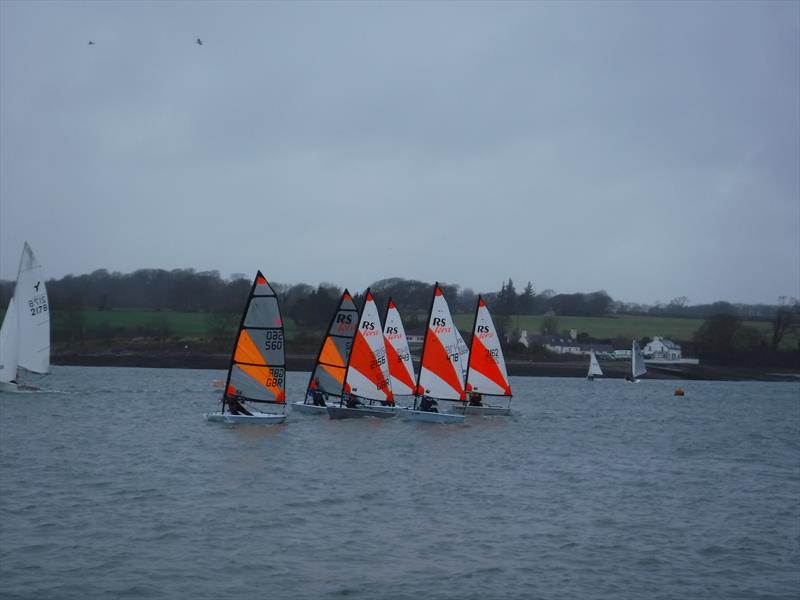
(311, 306)
(207, 291)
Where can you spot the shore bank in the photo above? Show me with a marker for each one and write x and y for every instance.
(611, 369)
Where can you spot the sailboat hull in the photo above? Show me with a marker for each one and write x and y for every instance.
(257, 419)
(13, 388)
(342, 412)
(433, 417)
(485, 411)
(309, 409)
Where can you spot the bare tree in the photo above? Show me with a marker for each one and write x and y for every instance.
(787, 317)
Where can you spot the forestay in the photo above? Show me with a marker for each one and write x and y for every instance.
(440, 374)
(368, 371)
(398, 356)
(486, 374)
(257, 371)
(331, 364)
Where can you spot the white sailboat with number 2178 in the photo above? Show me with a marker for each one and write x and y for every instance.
(25, 333)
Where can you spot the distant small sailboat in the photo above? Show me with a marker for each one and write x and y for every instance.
(486, 369)
(367, 375)
(257, 370)
(440, 375)
(25, 332)
(637, 363)
(594, 367)
(327, 376)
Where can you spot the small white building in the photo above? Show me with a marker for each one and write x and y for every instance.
(662, 348)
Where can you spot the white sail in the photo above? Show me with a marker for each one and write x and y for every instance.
(637, 360)
(9, 344)
(594, 366)
(33, 313)
(401, 369)
(440, 373)
(463, 353)
(368, 371)
(487, 366)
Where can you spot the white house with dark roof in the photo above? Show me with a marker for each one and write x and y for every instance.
(662, 348)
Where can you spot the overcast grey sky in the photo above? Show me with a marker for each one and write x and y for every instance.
(648, 149)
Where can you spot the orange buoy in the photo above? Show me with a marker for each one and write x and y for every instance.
(679, 392)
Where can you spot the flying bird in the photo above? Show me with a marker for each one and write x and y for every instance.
(91, 43)
(199, 42)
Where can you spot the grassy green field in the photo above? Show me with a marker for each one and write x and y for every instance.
(624, 326)
(199, 325)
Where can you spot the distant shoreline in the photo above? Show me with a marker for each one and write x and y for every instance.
(611, 369)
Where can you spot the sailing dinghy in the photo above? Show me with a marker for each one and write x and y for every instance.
(327, 377)
(25, 332)
(367, 374)
(594, 367)
(486, 369)
(257, 371)
(398, 356)
(440, 376)
(637, 364)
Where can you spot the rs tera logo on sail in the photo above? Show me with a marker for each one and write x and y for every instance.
(439, 325)
(483, 332)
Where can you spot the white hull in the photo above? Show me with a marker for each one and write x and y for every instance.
(309, 409)
(485, 411)
(342, 412)
(13, 388)
(433, 417)
(257, 419)
(389, 409)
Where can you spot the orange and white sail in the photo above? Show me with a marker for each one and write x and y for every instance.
(486, 373)
(257, 370)
(440, 374)
(401, 369)
(368, 371)
(331, 364)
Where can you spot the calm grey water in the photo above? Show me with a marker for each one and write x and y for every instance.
(116, 487)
